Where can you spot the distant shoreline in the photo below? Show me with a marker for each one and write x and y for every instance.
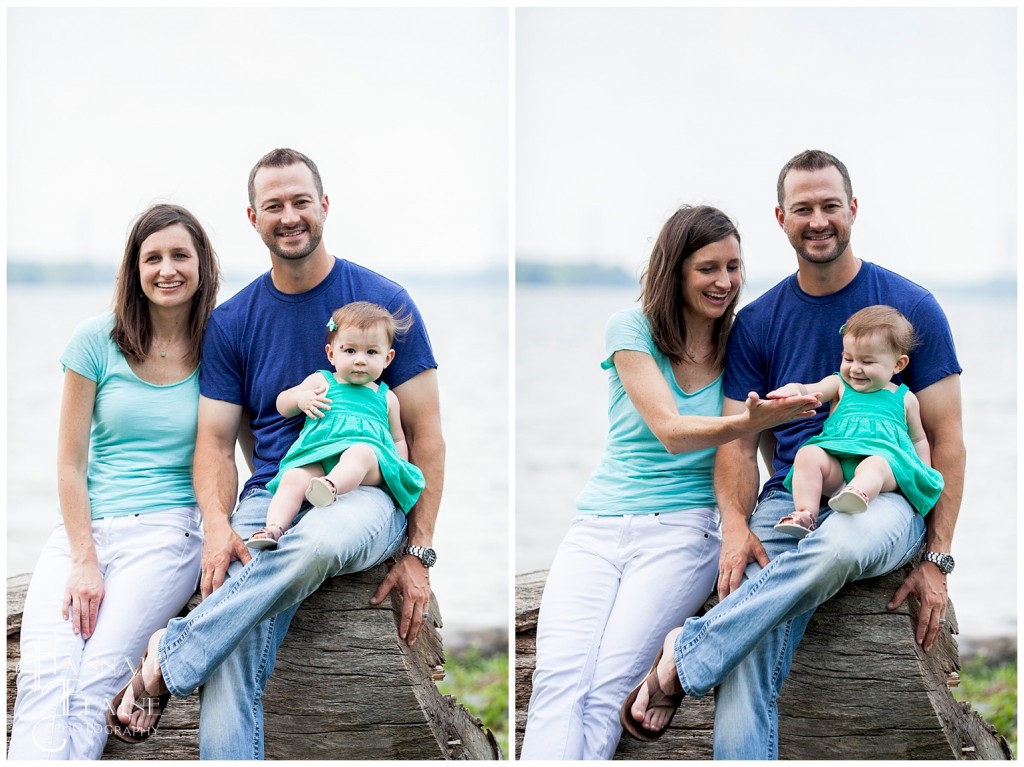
(28, 273)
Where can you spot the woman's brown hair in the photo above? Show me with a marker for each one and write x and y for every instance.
(133, 332)
(689, 229)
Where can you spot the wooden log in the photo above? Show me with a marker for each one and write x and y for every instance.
(345, 686)
(860, 687)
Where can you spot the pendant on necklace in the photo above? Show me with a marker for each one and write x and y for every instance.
(163, 354)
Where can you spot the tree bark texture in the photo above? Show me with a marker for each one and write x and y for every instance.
(860, 687)
(345, 686)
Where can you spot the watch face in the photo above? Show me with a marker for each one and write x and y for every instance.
(944, 562)
(424, 554)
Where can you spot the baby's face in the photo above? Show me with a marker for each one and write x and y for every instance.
(869, 363)
(360, 356)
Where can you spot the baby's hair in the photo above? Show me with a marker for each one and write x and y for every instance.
(363, 315)
(885, 322)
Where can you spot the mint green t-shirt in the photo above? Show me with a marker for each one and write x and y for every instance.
(636, 474)
(143, 435)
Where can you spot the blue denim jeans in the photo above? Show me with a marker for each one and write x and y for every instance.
(744, 646)
(229, 643)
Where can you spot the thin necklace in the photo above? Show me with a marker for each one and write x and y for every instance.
(693, 355)
(163, 352)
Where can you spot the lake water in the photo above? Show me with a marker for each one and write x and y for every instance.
(561, 424)
(469, 330)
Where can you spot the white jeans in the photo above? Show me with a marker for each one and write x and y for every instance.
(617, 586)
(150, 565)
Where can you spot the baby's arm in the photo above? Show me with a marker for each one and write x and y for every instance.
(828, 388)
(308, 397)
(915, 428)
(395, 422)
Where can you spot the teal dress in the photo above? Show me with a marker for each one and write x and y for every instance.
(876, 424)
(358, 416)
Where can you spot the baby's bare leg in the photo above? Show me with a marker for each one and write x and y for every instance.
(815, 473)
(873, 476)
(356, 466)
(291, 492)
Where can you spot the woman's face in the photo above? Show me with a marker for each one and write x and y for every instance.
(711, 279)
(169, 266)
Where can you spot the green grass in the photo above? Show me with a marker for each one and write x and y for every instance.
(481, 685)
(992, 692)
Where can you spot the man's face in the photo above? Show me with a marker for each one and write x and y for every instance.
(816, 214)
(288, 212)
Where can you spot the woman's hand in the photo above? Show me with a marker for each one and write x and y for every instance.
(769, 413)
(312, 402)
(82, 597)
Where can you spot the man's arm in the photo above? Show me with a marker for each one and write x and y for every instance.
(941, 416)
(421, 420)
(736, 483)
(215, 478)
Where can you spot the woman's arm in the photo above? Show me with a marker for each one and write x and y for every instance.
(912, 410)
(84, 591)
(395, 422)
(651, 396)
(308, 397)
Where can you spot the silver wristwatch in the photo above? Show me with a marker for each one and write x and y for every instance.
(424, 554)
(944, 562)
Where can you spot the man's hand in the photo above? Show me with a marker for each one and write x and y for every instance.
(221, 547)
(412, 581)
(740, 547)
(928, 584)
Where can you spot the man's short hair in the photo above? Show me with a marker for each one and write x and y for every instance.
(282, 158)
(814, 159)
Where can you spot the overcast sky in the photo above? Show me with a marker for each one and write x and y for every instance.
(620, 115)
(405, 111)
(624, 114)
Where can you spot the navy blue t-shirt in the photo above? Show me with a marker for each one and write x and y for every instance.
(262, 341)
(787, 336)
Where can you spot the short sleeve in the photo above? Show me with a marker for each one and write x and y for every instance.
(221, 376)
(627, 330)
(934, 358)
(86, 351)
(413, 351)
(744, 369)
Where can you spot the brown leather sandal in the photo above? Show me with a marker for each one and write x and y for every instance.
(656, 698)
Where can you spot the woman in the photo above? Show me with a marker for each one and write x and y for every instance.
(642, 554)
(129, 522)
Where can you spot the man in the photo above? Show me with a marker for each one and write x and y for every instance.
(261, 341)
(770, 583)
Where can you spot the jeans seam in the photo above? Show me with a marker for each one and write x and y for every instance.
(773, 701)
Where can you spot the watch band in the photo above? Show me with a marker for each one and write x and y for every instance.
(424, 554)
(944, 562)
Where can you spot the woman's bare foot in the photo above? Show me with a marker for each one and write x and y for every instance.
(657, 717)
(145, 715)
